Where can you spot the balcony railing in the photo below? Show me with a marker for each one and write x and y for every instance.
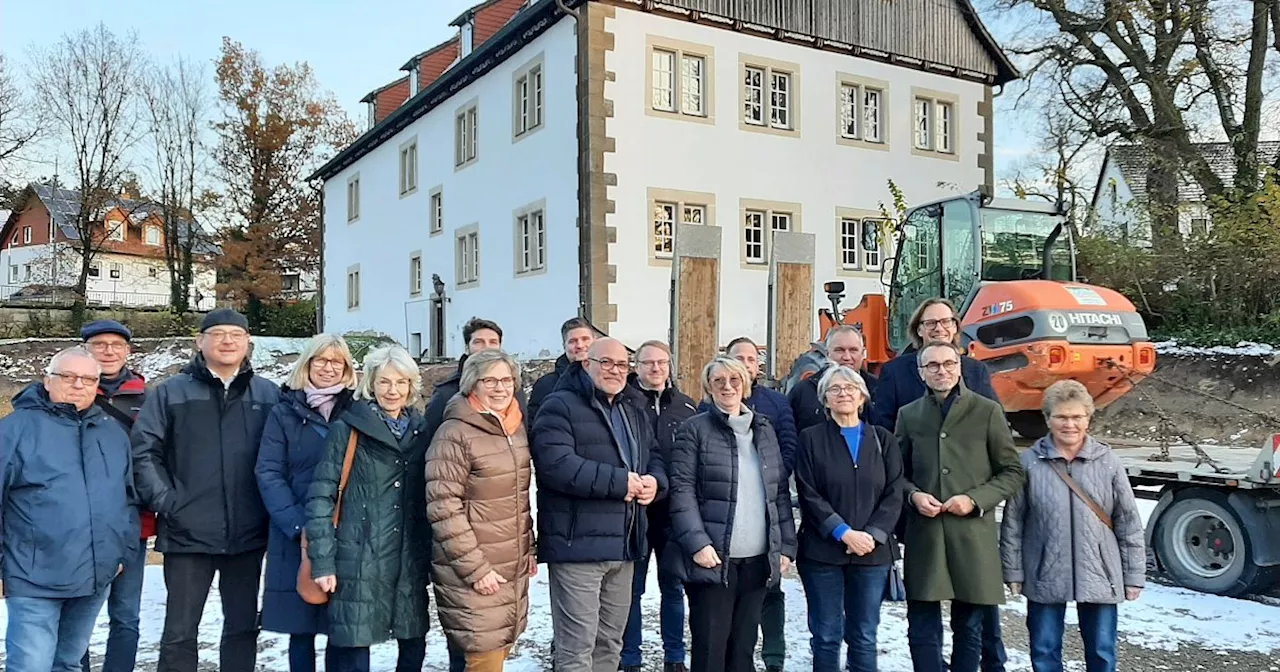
(47, 295)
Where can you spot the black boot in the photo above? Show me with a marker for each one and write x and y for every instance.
(674, 667)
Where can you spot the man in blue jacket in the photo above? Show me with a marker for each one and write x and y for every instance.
(67, 512)
(770, 403)
(598, 467)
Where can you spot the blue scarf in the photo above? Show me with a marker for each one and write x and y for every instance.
(398, 426)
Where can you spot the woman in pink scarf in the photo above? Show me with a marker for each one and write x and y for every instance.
(318, 390)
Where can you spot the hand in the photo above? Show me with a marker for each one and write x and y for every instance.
(960, 505)
(1015, 588)
(634, 486)
(327, 583)
(784, 564)
(649, 491)
(926, 504)
(533, 566)
(1131, 593)
(707, 557)
(489, 584)
(858, 543)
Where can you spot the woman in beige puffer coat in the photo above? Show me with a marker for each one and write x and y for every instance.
(478, 475)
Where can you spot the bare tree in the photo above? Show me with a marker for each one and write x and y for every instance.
(177, 103)
(19, 125)
(1055, 169)
(87, 87)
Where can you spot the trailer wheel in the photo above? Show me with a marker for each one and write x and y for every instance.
(1203, 546)
(1028, 424)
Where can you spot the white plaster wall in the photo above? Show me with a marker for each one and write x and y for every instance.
(507, 176)
(1113, 218)
(813, 170)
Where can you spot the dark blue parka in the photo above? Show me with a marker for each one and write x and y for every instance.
(66, 498)
(293, 443)
(582, 475)
(773, 405)
(900, 384)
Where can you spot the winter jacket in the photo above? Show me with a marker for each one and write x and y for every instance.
(542, 388)
(704, 490)
(195, 446)
(123, 405)
(966, 451)
(380, 551)
(808, 408)
(771, 404)
(582, 473)
(666, 410)
(293, 443)
(835, 492)
(900, 384)
(478, 504)
(1052, 542)
(444, 392)
(67, 521)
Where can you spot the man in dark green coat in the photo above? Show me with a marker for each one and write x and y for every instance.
(960, 464)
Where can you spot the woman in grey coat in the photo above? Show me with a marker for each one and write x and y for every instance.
(1057, 547)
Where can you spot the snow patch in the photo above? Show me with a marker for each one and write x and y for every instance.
(1241, 349)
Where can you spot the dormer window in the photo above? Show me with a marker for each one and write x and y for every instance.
(373, 113)
(413, 80)
(467, 40)
(153, 235)
(115, 229)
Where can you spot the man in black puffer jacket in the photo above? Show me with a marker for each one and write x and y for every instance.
(598, 467)
(479, 334)
(195, 445)
(577, 335)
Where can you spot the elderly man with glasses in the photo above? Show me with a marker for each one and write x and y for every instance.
(66, 506)
(598, 468)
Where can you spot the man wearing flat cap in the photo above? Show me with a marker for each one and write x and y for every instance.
(120, 395)
(195, 445)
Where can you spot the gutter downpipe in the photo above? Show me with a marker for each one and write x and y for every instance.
(584, 162)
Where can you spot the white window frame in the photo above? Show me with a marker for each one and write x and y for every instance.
(26, 235)
(692, 96)
(117, 232)
(529, 98)
(353, 287)
(435, 210)
(146, 235)
(685, 207)
(922, 127)
(415, 273)
(466, 130)
(759, 221)
(115, 271)
(13, 273)
(467, 257)
(95, 270)
(26, 273)
(353, 198)
(935, 127)
(854, 109)
(153, 272)
(408, 167)
(531, 239)
(772, 105)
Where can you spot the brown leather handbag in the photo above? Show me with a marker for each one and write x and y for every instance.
(307, 588)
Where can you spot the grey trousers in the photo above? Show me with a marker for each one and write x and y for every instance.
(590, 603)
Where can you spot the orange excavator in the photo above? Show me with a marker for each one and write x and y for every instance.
(1009, 267)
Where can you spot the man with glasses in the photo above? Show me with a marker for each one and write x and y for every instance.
(960, 464)
(195, 445)
(121, 393)
(665, 408)
(844, 346)
(69, 525)
(598, 467)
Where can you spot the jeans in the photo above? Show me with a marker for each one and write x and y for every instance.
(356, 658)
(844, 604)
(50, 634)
(670, 616)
(590, 603)
(993, 654)
(124, 602)
(1045, 624)
(188, 577)
(724, 619)
(924, 635)
(302, 654)
(773, 625)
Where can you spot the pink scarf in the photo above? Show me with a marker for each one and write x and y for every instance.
(322, 399)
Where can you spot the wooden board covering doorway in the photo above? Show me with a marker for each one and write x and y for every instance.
(695, 303)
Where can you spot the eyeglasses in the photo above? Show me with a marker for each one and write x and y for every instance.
(609, 364)
(101, 346)
(71, 378)
(1076, 419)
(492, 383)
(223, 335)
(946, 322)
(732, 382)
(842, 390)
(326, 363)
(385, 385)
(934, 367)
(655, 363)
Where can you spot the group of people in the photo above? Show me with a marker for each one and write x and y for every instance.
(364, 507)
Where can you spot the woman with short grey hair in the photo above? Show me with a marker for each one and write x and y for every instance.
(478, 475)
(1073, 535)
(849, 476)
(372, 555)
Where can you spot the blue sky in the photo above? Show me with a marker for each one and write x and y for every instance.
(353, 48)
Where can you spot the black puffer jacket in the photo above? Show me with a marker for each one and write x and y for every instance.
(582, 478)
(543, 387)
(704, 492)
(444, 392)
(666, 410)
(195, 446)
(381, 551)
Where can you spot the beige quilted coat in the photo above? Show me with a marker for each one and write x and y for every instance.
(478, 504)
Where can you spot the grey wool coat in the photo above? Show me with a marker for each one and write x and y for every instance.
(966, 451)
(1052, 542)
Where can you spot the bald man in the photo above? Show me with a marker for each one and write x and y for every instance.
(598, 467)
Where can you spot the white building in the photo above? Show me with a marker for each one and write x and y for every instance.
(38, 254)
(1118, 208)
(533, 204)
